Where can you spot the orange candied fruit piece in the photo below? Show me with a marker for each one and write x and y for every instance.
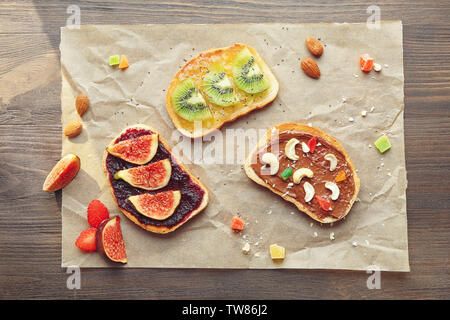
(366, 62)
(237, 224)
(341, 176)
(124, 62)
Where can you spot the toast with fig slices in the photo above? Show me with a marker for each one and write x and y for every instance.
(142, 191)
(306, 167)
(218, 86)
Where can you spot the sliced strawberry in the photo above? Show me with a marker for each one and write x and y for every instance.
(323, 203)
(86, 240)
(312, 144)
(96, 213)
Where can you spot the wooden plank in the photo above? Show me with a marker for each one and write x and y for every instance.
(30, 131)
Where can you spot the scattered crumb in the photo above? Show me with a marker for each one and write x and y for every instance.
(354, 243)
(386, 66)
(310, 124)
(371, 109)
(344, 99)
(332, 236)
(389, 174)
(377, 67)
(311, 224)
(367, 242)
(355, 75)
(315, 234)
(246, 248)
(363, 113)
(269, 212)
(351, 119)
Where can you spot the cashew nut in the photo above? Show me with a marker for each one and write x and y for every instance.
(300, 173)
(333, 161)
(289, 149)
(271, 160)
(309, 191)
(305, 147)
(334, 190)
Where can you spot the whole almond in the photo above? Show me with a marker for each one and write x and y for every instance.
(81, 103)
(314, 46)
(73, 129)
(311, 68)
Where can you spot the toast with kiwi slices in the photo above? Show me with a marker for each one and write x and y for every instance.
(218, 86)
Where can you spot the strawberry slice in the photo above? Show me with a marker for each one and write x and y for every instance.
(86, 240)
(312, 144)
(323, 203)
(96, 213)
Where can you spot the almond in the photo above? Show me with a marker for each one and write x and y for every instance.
(314, 46)
(81, 103)
(73, 129)
(311, 68)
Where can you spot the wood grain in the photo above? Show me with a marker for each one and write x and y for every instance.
(30, 131)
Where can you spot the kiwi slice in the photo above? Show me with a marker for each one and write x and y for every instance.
(247, 74)
(218, 87)
(189, 103)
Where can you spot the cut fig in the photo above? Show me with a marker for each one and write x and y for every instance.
(138, 151)
(62, 173)
(159, 206)
(152, 176)
(110, 240)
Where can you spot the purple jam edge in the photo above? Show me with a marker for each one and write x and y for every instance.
(191, 193)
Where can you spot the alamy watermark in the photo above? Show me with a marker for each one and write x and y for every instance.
(74, 280)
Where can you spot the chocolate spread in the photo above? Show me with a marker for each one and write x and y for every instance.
(320, 167)
(191, 193)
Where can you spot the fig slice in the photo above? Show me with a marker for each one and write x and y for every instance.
(139, 150)
(159, 206)
(62, 173)
(152, 176)
(110, 240)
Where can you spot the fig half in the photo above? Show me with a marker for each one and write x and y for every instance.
(138, 150)
(159, 206)
(62, 173)
(110, 240)
(152, 176)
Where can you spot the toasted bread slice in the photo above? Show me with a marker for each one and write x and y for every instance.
(197, 68)
(126, 207)
(291, 130)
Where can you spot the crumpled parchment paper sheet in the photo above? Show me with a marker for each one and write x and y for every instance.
(373, 235)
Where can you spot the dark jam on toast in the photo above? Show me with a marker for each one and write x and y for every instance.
(191, 193)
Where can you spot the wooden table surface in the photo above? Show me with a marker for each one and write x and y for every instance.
(30, 135)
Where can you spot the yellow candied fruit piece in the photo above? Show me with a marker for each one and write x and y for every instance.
(341, 176)
(277, 252)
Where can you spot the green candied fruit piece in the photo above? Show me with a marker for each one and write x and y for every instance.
(114, 60)
(383, 144)
(286, 173)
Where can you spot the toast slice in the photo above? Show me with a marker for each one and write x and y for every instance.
(200, 66)
(194, 195)
(315, 160)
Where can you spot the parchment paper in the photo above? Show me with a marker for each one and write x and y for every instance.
(373, 235)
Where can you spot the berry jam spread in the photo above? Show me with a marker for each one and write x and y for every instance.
(191, 193)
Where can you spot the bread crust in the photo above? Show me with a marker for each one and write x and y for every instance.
(301, 128)
(271, 95)
(129, 215)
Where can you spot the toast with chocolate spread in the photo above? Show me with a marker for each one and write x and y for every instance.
(307, 167)
(218, 86)
(150, 186)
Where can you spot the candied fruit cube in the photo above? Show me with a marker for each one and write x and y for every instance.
(383, 144)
